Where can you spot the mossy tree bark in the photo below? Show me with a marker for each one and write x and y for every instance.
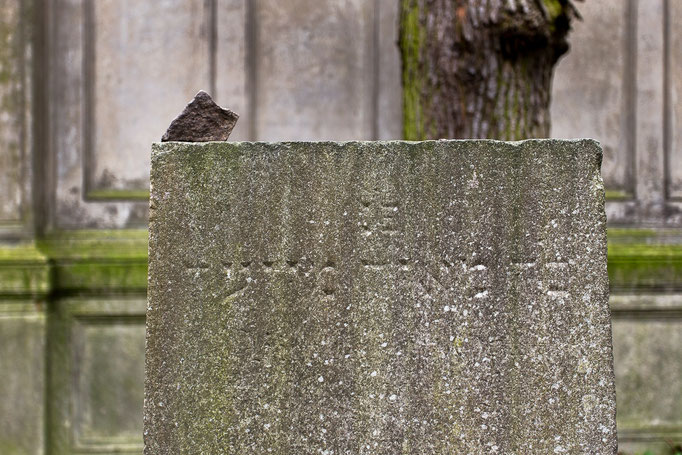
(480, 68)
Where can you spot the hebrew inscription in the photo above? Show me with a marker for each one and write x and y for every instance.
(378, 298)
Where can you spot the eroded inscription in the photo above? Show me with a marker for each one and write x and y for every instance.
(378, 245)
(444, 275)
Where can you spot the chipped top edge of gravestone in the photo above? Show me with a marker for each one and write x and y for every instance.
(202, 120)
(160, 148)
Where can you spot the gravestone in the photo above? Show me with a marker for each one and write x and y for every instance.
(378, 297)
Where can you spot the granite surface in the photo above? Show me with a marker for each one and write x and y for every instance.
(378, 297)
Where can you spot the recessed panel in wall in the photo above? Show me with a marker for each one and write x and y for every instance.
(389, 120)
(109, 382)
(589, 97)
(315, 69)
(144, 62)
(13, 133)
(230, 59)
(648, 376)
(674, 99)
(22, 374)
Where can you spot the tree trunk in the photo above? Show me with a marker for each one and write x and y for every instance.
(480, 68)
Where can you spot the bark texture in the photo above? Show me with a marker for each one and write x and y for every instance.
(480, 68)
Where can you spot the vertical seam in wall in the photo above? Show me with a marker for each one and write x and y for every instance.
(251, 63)
(88, 121)
(212, 13)
(41, 181)
(23, 168)
(631, 94)
(376, 68)
(667, 126)
(51, 147)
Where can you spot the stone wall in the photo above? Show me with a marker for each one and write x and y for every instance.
(85, 86)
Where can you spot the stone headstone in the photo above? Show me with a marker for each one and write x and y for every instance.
(378, 297)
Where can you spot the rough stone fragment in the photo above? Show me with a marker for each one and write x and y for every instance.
(378, 297)
(202, 120)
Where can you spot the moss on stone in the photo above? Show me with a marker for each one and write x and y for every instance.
(412, 38)
(617, 195)
(554, 8)
(96, 244)
(645, 259)
(96, 260)
(24, 271)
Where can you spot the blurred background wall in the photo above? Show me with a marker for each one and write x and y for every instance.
(87, 85)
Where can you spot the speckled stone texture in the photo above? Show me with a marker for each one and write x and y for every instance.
(441, 297)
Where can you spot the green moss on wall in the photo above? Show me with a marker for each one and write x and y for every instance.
(617, 195)
(76, 261)
(116, 195)
(645, 259)
(24, 271)
(412, 38)
(99, 244)
(90, 260)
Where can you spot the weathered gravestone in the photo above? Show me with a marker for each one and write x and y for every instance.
(444, 297)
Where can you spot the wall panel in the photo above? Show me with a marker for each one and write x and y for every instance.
(590, 89)
(22, 384)
(109, 377)
(15, 98)
(231, 79)
(389, 91)
(315, 64)
(143, 62)
(97, 375)
(649, 106)
(121, 71)
(674, 99)
(648, 375)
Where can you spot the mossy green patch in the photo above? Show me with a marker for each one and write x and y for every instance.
(129, 244)
(661, 237)
(645, 259)
(554, 8)
(130, 276)
(90, 260)
(412, 39)
(21, 252)
(24, 270)
(617, 195)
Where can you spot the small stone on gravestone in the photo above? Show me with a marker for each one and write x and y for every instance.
(378, 297)
(202, 120)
